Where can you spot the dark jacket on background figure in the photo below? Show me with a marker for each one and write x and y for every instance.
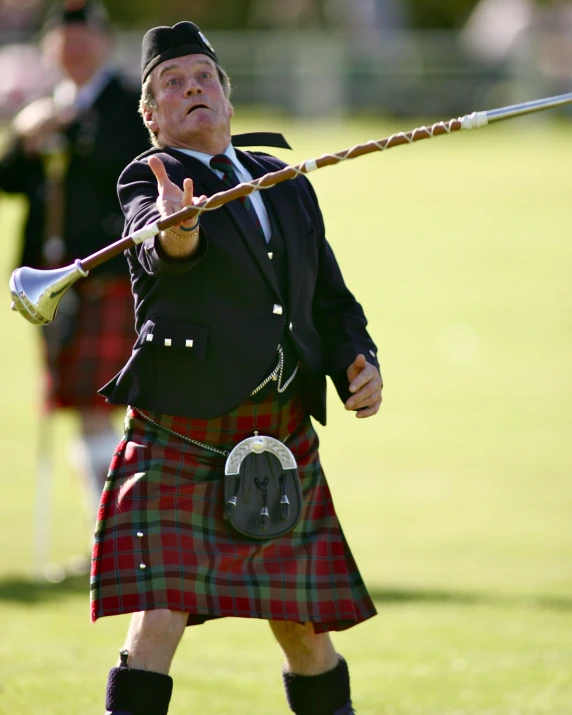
(102, 140)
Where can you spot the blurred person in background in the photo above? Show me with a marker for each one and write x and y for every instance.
(64, 155)
(18, 17)
(553, 24)
(494, 27)
(526, 43)
(240, 316)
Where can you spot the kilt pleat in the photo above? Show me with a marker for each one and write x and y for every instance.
(162, 542)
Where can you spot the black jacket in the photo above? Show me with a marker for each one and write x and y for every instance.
(221, 313)
(103, 140)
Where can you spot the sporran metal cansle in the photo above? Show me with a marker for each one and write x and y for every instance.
(262, 490)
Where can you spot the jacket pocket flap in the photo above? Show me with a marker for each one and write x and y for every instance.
(173, 334)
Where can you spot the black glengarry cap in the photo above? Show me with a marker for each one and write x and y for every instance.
(165, 43)
(87, 12)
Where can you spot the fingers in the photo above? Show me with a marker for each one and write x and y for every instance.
(188, 192)
(358, 373)
(158, 168)
(171, 197)
(369, 411)
(355, 368)
(188, 200)
(365, 404)
(367, 396)
(366, 386)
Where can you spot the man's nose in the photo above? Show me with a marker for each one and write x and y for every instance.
(193, 87)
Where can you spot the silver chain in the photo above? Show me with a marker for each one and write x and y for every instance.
(223, 452)
(277, 374)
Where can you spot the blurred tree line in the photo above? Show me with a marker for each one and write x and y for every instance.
(261, 14)
(256, 14)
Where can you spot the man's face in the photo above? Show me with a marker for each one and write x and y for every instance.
(78, 50)
(191, 109)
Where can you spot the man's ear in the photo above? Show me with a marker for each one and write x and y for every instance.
(149, 121)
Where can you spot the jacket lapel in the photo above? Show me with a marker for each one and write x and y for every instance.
(283, 201)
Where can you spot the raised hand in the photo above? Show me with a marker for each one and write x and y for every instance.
(171, 197)
(179, 241)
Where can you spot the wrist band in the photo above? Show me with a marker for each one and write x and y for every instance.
(188, 230)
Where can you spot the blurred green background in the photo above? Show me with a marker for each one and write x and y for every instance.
(456, 498)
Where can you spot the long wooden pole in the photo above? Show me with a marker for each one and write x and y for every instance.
(469, 121)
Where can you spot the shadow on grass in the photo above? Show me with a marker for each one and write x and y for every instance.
(463, 598)
(21, 590)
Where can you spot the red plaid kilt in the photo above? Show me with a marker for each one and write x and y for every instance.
(100, 344)
(161, 540)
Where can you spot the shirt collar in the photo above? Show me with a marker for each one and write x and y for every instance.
(206, 158)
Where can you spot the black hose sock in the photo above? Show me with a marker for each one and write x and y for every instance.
(138, 692)
(324, 694)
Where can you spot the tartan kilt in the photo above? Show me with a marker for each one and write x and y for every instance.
(88, 342)
(161, 540)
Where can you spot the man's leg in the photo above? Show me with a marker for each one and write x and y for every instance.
(316, 678)
(140, 685)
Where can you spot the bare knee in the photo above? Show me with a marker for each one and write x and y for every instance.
(305, 652)
(153, 638)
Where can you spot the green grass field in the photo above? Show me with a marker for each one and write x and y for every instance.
(456, 498)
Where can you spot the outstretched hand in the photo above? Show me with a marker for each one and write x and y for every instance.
(171, 197)
(366, 388)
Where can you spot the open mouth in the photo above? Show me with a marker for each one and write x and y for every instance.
(197, 106)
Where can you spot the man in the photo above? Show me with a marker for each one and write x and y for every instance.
(239, 319)
(65, 155)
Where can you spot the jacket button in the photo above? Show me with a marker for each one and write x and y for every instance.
(270, 254)
(167, 342)
(189, 343)
(149, 337)
(277, 310)
(291, 327)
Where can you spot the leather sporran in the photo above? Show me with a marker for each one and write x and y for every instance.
(262, 492)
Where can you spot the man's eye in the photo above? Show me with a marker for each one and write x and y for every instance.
(205, 75)
(172, 81)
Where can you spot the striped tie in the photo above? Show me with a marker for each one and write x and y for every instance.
(221, 162)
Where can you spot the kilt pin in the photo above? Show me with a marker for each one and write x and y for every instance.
(162, 542)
